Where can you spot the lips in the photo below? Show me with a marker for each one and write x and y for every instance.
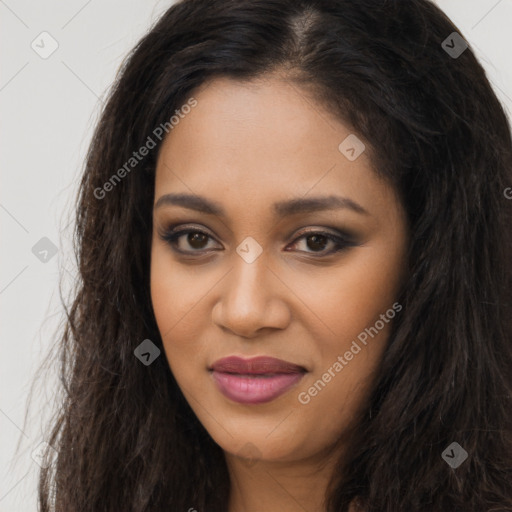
(257, 380)
(256, 366)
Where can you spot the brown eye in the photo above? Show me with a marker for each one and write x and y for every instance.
(197, 240)
(322, 243)
(187, 241)
(317, 242)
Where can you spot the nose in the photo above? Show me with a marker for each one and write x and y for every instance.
(251, 300)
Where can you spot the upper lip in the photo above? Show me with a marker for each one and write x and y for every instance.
(255, 365)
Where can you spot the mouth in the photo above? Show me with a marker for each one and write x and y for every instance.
(256, 380)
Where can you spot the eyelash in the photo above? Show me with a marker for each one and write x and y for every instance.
(172, 236)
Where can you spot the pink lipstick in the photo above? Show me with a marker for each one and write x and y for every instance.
(257, 380)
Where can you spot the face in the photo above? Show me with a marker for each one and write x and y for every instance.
(270, 240)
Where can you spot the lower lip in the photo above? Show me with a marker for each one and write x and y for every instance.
(254, 389)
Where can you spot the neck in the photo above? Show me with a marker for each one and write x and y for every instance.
(281, 486)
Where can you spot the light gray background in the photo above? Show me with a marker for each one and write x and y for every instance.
(49, 108)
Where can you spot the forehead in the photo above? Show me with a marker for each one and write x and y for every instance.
(266, 140)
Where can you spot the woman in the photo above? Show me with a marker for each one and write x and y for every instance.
(294, 249)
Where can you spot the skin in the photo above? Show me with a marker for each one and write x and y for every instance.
(247, 146)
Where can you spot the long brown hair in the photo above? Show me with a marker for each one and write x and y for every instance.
(125, 437)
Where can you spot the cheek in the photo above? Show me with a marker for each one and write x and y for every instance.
(176, 298)
(351, 297)
(356, 304)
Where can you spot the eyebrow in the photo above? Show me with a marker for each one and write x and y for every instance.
(281, 208)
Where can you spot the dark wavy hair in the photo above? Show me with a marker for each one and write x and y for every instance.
(125, 436)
